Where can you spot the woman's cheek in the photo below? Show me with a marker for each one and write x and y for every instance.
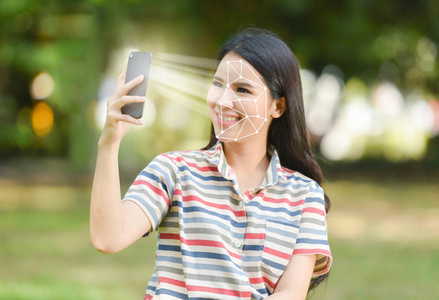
(214, 94)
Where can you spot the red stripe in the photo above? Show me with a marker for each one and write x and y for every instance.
(288, 170)
(202, 243)
(153, 188)
(210, 244)
(259, 280)
(219, 291)
(147, 297)
(283, 200)
(201, 169)
(312, 251)
(256, 280)
(313, 210)
(240, 213)
(271, 284)
(172, 281)
(277, 253)
(170, 236)
(255, 236)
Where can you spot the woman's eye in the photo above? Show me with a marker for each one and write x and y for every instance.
(216, 83)
(242, 90)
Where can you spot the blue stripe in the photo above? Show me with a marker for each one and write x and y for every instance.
(274, 169)
(315, 200)
(182, 168)
(253, 247)
(145, 205)
(204, 254)
(248, 258)
(261, 292)
(151, 288)
(313, 231)
(169, 248)
(294, 176)
(221, 216)
(164, 171)
(311, 241)
(172, 259)
(271, 263)
(158, 180)
(163, 291)
(275, 209)
(291, 185)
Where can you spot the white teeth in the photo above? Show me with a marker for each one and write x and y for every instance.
(228, 119)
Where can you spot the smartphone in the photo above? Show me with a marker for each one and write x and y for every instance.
(138, 64)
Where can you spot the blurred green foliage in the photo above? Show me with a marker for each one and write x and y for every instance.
(73, 41)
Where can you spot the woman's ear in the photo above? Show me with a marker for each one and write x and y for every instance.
(281, 106)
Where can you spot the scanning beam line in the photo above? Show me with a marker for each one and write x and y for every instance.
(231, 108)
(243, 63)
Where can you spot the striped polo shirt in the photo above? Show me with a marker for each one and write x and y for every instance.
(214, 242)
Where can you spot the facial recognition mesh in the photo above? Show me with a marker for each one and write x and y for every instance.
(250, 109)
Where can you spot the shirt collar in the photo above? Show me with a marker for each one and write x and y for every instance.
(274, 172)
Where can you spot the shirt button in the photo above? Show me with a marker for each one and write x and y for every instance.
(241, 204)
(238, 244)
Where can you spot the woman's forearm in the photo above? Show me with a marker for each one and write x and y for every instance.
(107, 222)
(105, 207)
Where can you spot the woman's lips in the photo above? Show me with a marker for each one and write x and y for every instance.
(226, 119)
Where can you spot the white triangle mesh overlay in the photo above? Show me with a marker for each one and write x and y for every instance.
(234, 103)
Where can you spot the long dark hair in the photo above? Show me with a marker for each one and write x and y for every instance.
(273, 59)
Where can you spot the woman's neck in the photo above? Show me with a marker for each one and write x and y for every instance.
(246, 158)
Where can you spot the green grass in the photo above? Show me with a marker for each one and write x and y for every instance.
(384, 237)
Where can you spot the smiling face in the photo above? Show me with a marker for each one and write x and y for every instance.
(239, 102)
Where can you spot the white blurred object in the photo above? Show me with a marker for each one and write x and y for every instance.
(309, 80)
(321, 109)
(388, 100)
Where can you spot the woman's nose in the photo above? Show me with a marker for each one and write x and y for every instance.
(228, 98)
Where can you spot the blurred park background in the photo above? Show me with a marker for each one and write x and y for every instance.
(370, 78)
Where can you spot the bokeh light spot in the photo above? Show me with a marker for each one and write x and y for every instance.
(42, 86)
(42, 119)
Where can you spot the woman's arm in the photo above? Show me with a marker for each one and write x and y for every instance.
(113, 225)
(294, 282)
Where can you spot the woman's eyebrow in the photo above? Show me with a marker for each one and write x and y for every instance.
(243, 83)
(216, 77)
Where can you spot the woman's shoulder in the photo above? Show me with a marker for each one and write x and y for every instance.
(298, 178)
(188, 156)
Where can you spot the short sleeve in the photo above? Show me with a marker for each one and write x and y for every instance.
(153, 189)
(313, 236)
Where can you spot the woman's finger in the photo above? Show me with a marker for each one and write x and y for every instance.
(124, 89)
(121, 79)
(118, 103)
(131, 99)
(119, 117)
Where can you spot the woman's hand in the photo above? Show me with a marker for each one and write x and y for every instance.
(116, 123)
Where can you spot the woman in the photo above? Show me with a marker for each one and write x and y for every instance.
(243, 218)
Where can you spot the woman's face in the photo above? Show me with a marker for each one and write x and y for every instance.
(239, 102)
